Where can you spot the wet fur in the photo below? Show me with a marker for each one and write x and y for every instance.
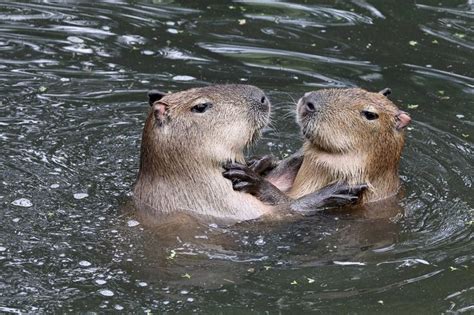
(342, 146)
(182, 155)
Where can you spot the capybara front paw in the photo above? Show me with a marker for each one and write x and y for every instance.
(243, 178)
(262, 165)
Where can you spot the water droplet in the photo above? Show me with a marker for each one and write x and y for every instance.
(22, 202)
(84, 263)
(80, 195)
(106, 292)
(183, 78)
(132, 223)
(75, 39)
(260, 242)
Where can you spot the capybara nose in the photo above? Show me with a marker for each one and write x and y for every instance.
(261, 100)
(310, 103)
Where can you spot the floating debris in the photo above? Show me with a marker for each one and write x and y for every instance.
(413, 43)
(242, 21)
(412, 106)
(310, 280)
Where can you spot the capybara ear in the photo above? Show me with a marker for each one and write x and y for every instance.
(403, 119)
(160, 112)
(155, 95)
(386, 92)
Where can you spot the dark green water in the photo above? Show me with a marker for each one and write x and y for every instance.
(73, 77)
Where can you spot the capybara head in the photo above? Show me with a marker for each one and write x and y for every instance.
(352, 120)
(209, 123)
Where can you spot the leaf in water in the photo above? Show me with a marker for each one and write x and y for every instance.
(412, 106)
(186, 275)
(42, 89)
(434, 41)
(413, 43)
(294, 282)
(310, 280)
(380, 302)
(267, 267)
(453, 268)
(460, 35)
(242, 22)
(172, 254)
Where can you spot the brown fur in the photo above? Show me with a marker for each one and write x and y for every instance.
(341, 145)
(181, 158)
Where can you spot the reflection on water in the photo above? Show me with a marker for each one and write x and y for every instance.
(74, 77)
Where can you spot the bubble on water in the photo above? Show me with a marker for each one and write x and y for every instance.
(132, 223)
(22, 202)
(183, 78)
(80, 195)
(172, 31)
(132, 40)
(106, 292)
(100, 281)
(54, 186)
(260, 242)
(75, 39)
(118, 307)
(84, 263)
(2, 249)
(142, 284)
(190, 299)
(184, 292)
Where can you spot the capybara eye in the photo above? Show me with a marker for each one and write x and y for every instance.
(201, 108)
(263, 99)
(310, 106)
(369, 115)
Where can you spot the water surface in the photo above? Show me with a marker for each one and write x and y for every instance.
(74, 77)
